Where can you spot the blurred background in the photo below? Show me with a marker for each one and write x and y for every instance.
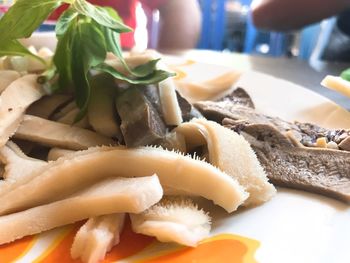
(227, 26)
(228, 36)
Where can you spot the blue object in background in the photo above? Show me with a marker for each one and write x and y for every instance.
(308, 41)
(213, 24)
(46, 27)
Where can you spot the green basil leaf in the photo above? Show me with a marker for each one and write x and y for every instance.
(64, 21)
(15, 48)
(145, 69)
(88, 50)
(100, 15)
(24, 17)
(345, 74)
(155, 77)
(113, 45)
(63, 57)
(47, 80)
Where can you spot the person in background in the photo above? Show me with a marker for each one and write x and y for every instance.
(282, 15)
(180, 21)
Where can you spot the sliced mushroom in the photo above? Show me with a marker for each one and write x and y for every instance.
(63, 111)
(173, 220)
(15, 99)
(97, 237)
(17, 164)
(232, 154)
(47, 105)
(56, 134)
(69, 174)
(168, 99)
(102, 114)
(7, 77)
(345, 144)
(115, 195)
(207, 90)
(70, 118)
(56, 153)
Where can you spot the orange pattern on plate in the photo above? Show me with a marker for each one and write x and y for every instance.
(10, 252)
(220, 248)
(130, 244)
(180, 74)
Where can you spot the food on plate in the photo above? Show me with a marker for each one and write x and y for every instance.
(97, 237)
(101, 114)
(290, 152)
(141, 122)
(69, 174)
(169, 104)
(207, 90)
(14, 100)
(337, 83)
(219, 142)
(57, 134)
(107, 135)
(173, 220)
(56, 153)
(17, 166)
(7, 77)
(113, 195)
(47, 105)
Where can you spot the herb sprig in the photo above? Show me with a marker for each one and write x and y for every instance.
(85, 34)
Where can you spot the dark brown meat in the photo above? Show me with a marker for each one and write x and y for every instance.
(287, 163)
(239, 97)
(187, 110)
(141, 123)
(304, 133)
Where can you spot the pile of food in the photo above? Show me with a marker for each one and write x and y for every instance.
(86, 133)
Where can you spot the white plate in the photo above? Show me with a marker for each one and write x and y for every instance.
(293, 227)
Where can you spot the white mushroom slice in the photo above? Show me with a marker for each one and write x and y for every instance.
(47, 105)
(62, 112)
(115, 195)
(168, 99)
(173, 220)
(232, 154)
(17, 164)
(15, 99)
(7, 77)
(210, 89)
(56, 134)
(69, 119)
(97, 237)
(338, 84)
(174, 170)
(102, 113)
(56, 153)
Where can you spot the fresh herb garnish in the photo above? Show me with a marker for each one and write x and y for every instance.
(85, 34)
(345, 74)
